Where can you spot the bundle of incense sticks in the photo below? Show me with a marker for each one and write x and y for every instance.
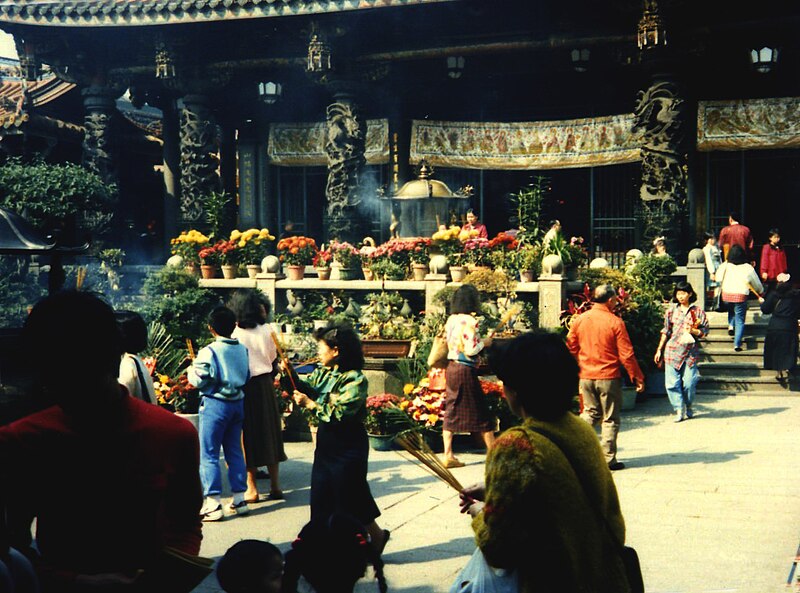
(190, 348)
(412, 441)
(507, 316)
(285, 360)
(80, 276)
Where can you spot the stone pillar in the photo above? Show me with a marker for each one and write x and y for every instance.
(433, 284)
(267, 282)
(661, 120)
(551, 289)
(171, 165)
(696, 276)
(345, 148)
(199, 160)
(99, 140)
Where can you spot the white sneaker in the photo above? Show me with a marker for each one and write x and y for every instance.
(679, 416)
(212, 513)
(240, 508)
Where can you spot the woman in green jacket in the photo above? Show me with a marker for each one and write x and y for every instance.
(336, 394)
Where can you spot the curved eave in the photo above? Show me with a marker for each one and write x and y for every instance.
(111, 13)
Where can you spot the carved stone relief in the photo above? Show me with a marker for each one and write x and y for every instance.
(345, 148)
(199, 160)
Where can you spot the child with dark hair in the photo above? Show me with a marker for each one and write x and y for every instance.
(332, 554)
(466, 409)
(251, 566)
(133, 373)
(219, 371)
(263, 444)
(336, 395)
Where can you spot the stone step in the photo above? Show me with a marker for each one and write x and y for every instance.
(727, 355)
(747, 370)
(731, 385)
(726, 343)
(749, 330)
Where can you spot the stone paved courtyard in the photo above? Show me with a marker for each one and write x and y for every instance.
(711, 504)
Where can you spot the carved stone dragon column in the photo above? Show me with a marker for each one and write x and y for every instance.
(345, 146)
(661, 119)
(199, 161)
(99, 140)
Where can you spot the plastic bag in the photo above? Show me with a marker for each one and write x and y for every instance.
(478, 577)
(686, 338)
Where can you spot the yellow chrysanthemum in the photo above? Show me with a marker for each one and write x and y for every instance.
(236, 234)
(408, 388)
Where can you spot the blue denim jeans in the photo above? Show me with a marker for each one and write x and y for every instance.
(221, 425)
(681, 384)
(736, 313)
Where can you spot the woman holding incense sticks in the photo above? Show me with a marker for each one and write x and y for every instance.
(336, 395)
(465, 405)
(549, 505)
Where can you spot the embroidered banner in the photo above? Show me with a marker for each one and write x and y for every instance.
(748, 123)
(526, 145)
(303, 144)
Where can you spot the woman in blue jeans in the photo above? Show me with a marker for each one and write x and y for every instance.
(737, 279)
(684, 324)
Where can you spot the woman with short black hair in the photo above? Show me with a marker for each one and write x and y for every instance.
(737, 278)
(335, 393)
(261, 429)
(465, 405)
(550, 509)
(133, 373)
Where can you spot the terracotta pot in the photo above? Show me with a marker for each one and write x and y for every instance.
(295, 272)
(347, 273)
(208, 272)
(386, 348)
(418, 271)
(324, 273)
(228, 271)
(368, 274)
(253, 270)
(457, 273)
(526, 275)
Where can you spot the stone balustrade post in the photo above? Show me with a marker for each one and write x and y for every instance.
(551, 291)
(433, 284)
(267, 282)
(696, 276)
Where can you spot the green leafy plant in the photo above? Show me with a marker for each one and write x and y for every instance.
(61, 197)
(387, 269)
(215, 206)
(381, 318)
(175, 298)
(527, 204)
(652, 276)
(171, 358)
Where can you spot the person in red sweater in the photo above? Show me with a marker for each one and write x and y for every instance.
(122, 477)
(599, 341)
(735, 234)
(773, 260)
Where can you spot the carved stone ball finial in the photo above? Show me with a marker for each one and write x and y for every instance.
(598, 263)
(633, 255)
(696, 256)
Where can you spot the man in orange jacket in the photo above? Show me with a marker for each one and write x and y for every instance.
(599, 341)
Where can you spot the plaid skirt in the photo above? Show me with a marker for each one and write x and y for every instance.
(465, 405)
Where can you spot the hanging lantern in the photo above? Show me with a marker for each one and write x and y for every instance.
(764, 59)
(319, 55)
(651, 32)
(269, 92)
(165, 63)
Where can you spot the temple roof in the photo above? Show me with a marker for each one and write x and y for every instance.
(100, 13)
(13, 92)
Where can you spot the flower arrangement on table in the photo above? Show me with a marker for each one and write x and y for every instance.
(384, 416)
(297, 251)
(424, 406)
(209, 256)
(498, 404)
(252, 244)
(420, 252)
(177, 394)
(345, 254)
(476, 252)
(322, 259)
(228, 251)
(188, 244)
(448, 242)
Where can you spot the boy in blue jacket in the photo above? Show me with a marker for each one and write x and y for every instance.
(219, 371)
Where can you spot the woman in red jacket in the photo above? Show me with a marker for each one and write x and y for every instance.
(773, 260)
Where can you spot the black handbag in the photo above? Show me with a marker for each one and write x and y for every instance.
(629, 557)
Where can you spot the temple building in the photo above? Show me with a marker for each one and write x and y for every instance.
(647, 118)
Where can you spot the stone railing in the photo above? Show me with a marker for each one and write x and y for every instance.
(549, 291)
